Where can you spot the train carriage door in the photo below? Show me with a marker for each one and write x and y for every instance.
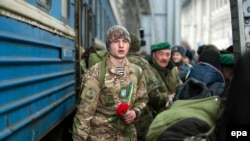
(86, 23)
(89, 16)
(84, 33)
(80, 40)
(93, 20)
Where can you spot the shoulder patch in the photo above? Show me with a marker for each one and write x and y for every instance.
(90, 91)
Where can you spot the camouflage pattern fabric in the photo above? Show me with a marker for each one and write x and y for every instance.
(173, 80)
(156, 90)
(168, 75)
(157, 93)
(96, 119)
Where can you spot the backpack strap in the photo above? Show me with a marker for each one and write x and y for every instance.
(102, 72)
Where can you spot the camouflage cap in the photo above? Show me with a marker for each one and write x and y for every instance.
(160, 46)
(116, 32)
(135, 43)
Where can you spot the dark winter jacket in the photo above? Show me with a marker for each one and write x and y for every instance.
(209, 75)
(184, 70)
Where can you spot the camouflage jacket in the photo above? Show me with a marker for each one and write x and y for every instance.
(157, 93)
(96, 119)
(158, 96)
(169, 76)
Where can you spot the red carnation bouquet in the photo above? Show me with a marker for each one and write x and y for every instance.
(122, 109)
(124, 106)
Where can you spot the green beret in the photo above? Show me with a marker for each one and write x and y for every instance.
(160, 46)
(227, 60)
(135, 43)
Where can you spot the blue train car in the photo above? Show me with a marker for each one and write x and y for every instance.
(40, 43)
(37, 67)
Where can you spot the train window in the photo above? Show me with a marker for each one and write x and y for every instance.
(65, 9)
(44, 3)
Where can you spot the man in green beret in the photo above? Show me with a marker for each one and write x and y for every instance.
(162, 80)
(157, 97)
(164, 69)
(168, 80)
(227, 67)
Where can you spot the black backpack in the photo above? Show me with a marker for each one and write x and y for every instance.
(192, 115)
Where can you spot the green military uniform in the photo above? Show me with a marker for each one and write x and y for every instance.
(96, 119)
(157, 98)
(168, 76)
(156, 89)
(161, 82)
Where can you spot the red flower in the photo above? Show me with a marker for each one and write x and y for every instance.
(122, 109)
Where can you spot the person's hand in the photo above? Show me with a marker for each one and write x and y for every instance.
(129, 116)
(171, 96)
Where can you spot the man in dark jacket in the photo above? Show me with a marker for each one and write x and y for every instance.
(207, 70)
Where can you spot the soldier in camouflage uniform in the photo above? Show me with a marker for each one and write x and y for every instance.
(157, 90)
(142, 123)
(96, 118)
(164, 69)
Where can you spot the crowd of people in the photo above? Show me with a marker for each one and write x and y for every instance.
(138, 91)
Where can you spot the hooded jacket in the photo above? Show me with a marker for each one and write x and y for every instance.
(209, 75)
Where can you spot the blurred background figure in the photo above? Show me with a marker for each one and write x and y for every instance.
(230, 49)
(178, 54)
(145, 55)
(208, 68)
(227, 66)
(236, 115)
(199, 50)
(189, 58)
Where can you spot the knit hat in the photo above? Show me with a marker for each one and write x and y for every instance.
(179, 49)
(135, 43)
(227, 60)
(116, 32)
(189, 54)
(160, 46)
(210, 56)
